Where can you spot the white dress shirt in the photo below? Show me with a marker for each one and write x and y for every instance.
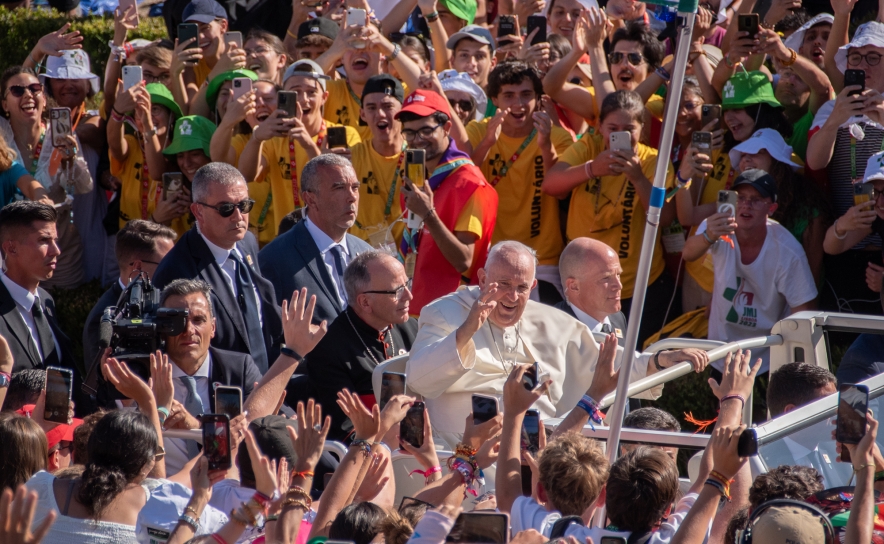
(228, 267)
(325, 243)
(176, 449)
(594, 324)
(24, 302)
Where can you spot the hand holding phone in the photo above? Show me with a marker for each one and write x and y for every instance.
(620, 141)
(59, 387)
(853, 404)
(727, 202)
(392, 384)
(228, 400)
(216, 440)
(411, 429)
(485, 408)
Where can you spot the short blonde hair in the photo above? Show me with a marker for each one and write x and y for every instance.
(573, 471)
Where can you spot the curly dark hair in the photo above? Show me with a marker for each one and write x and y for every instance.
(513, 73)
(636, 31)
(765, 116)
(785, 482)
(121, 445)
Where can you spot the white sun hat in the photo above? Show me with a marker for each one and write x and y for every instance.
(797, 38)
(871, 33)
(769, 140)
(72, 64)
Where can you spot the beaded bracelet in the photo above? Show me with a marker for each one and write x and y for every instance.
(741, 398)
(194, 524)
(297, 503)
(364, 445)
(300, 492)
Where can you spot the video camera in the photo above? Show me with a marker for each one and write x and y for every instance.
(134, 329)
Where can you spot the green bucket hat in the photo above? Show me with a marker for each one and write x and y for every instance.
(214, 88)
(747, 88)
(462, 9)
(160, 94)
(191, 132)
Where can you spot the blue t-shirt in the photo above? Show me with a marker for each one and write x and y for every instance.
(8, 180)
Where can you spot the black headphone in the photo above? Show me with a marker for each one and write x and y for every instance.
(745, 536)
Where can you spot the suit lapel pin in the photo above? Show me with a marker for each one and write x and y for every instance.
(619, 333)
(249, 259)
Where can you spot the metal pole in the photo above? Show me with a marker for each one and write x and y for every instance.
(687, 10)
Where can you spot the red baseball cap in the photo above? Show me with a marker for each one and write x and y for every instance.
(425, 103)
(60, 433)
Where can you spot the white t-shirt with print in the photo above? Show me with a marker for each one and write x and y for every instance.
(748, 299)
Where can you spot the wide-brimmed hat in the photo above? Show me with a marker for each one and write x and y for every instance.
(795, 40)
(874, 168)
(871, 33)
(191, 132)
(452, 80)
(72, 64)
(160, 94)
(748, 88)
(769, 140)
(462, 9)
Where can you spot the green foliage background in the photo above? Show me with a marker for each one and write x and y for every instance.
(20, 30)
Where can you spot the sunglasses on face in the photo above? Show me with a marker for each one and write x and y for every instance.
(225, 209)
(634, 59)
(18, 91)
(462, 105)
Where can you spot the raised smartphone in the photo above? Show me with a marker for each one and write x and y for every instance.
(59, 386)
(862, 193)
(853, 403)
(337, 137)
(506, 26)
(702, 142)
(392, 384)
(235, 37)
(60, 120)
(416, 166)
(531, 429)
(747, 444)
(287, 101)
(172, 183)
(529, 378)
(855, 77)
(241, 87)
(748, 23)
(485, 408)
(620, 141)
(228, 400)
(132, 76)
(480, 528)
(187, 31)
(537, 22)
(710, 113)
(411, 429)
(216, 440)
(727, 202)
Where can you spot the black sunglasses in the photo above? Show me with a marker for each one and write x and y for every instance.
(18, 91)
(616, 57)
(226, 209)
(463, 105)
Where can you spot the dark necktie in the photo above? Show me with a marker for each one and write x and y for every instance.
(249, 306)
(194, 406)
(46, 343)
(338, 255)
(606, 328)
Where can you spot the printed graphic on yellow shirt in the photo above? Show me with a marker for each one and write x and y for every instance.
(379, 208)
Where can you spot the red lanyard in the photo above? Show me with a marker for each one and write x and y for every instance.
(293, 164)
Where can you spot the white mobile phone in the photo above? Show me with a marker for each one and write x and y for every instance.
(355, 16)
(241, 86)
(235, 37)
(126, 4)
(132, 76)
(620, 141)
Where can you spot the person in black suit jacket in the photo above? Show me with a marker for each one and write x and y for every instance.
(141, 245)
(375, 326)
(28, 319)
(220, 251)
(590, 272)
(315, 252)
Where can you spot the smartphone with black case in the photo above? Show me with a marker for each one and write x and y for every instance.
(480, 528)
(392, 384)
(853, 403)
(216, 440)
(748, 22)
(188, 31)
(228, 400)
(747, 444)
(855, 77)
(710, 113)
(506, 26)
(485, 408)
(287, 101)
(531, 429)
(537, 22)
(337, 137)
(411, 429)
(529, 379)
(59, 386)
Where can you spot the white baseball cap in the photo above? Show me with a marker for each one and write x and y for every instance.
(871, 33)
(452, 80)
(769, 140)
(72, 64)
(797, 38)
(874, 168)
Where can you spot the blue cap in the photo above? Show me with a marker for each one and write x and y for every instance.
(763, 182)
(203, 11)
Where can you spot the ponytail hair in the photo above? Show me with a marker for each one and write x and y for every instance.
(122, 444)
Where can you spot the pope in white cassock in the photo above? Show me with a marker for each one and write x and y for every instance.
(468, 342)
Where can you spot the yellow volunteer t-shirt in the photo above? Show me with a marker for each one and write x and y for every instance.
(470, 218)
(524, 212)
(377, 174)
(262, 221)
(719, 179)
(132, 190)
(276, 152)
(201, 72)
(609, 210)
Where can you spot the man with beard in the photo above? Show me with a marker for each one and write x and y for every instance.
(457, 205)
(380, 162)
(282, 145)
(374, 327)
(515, 149)
(802, 88)
(362, 50)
